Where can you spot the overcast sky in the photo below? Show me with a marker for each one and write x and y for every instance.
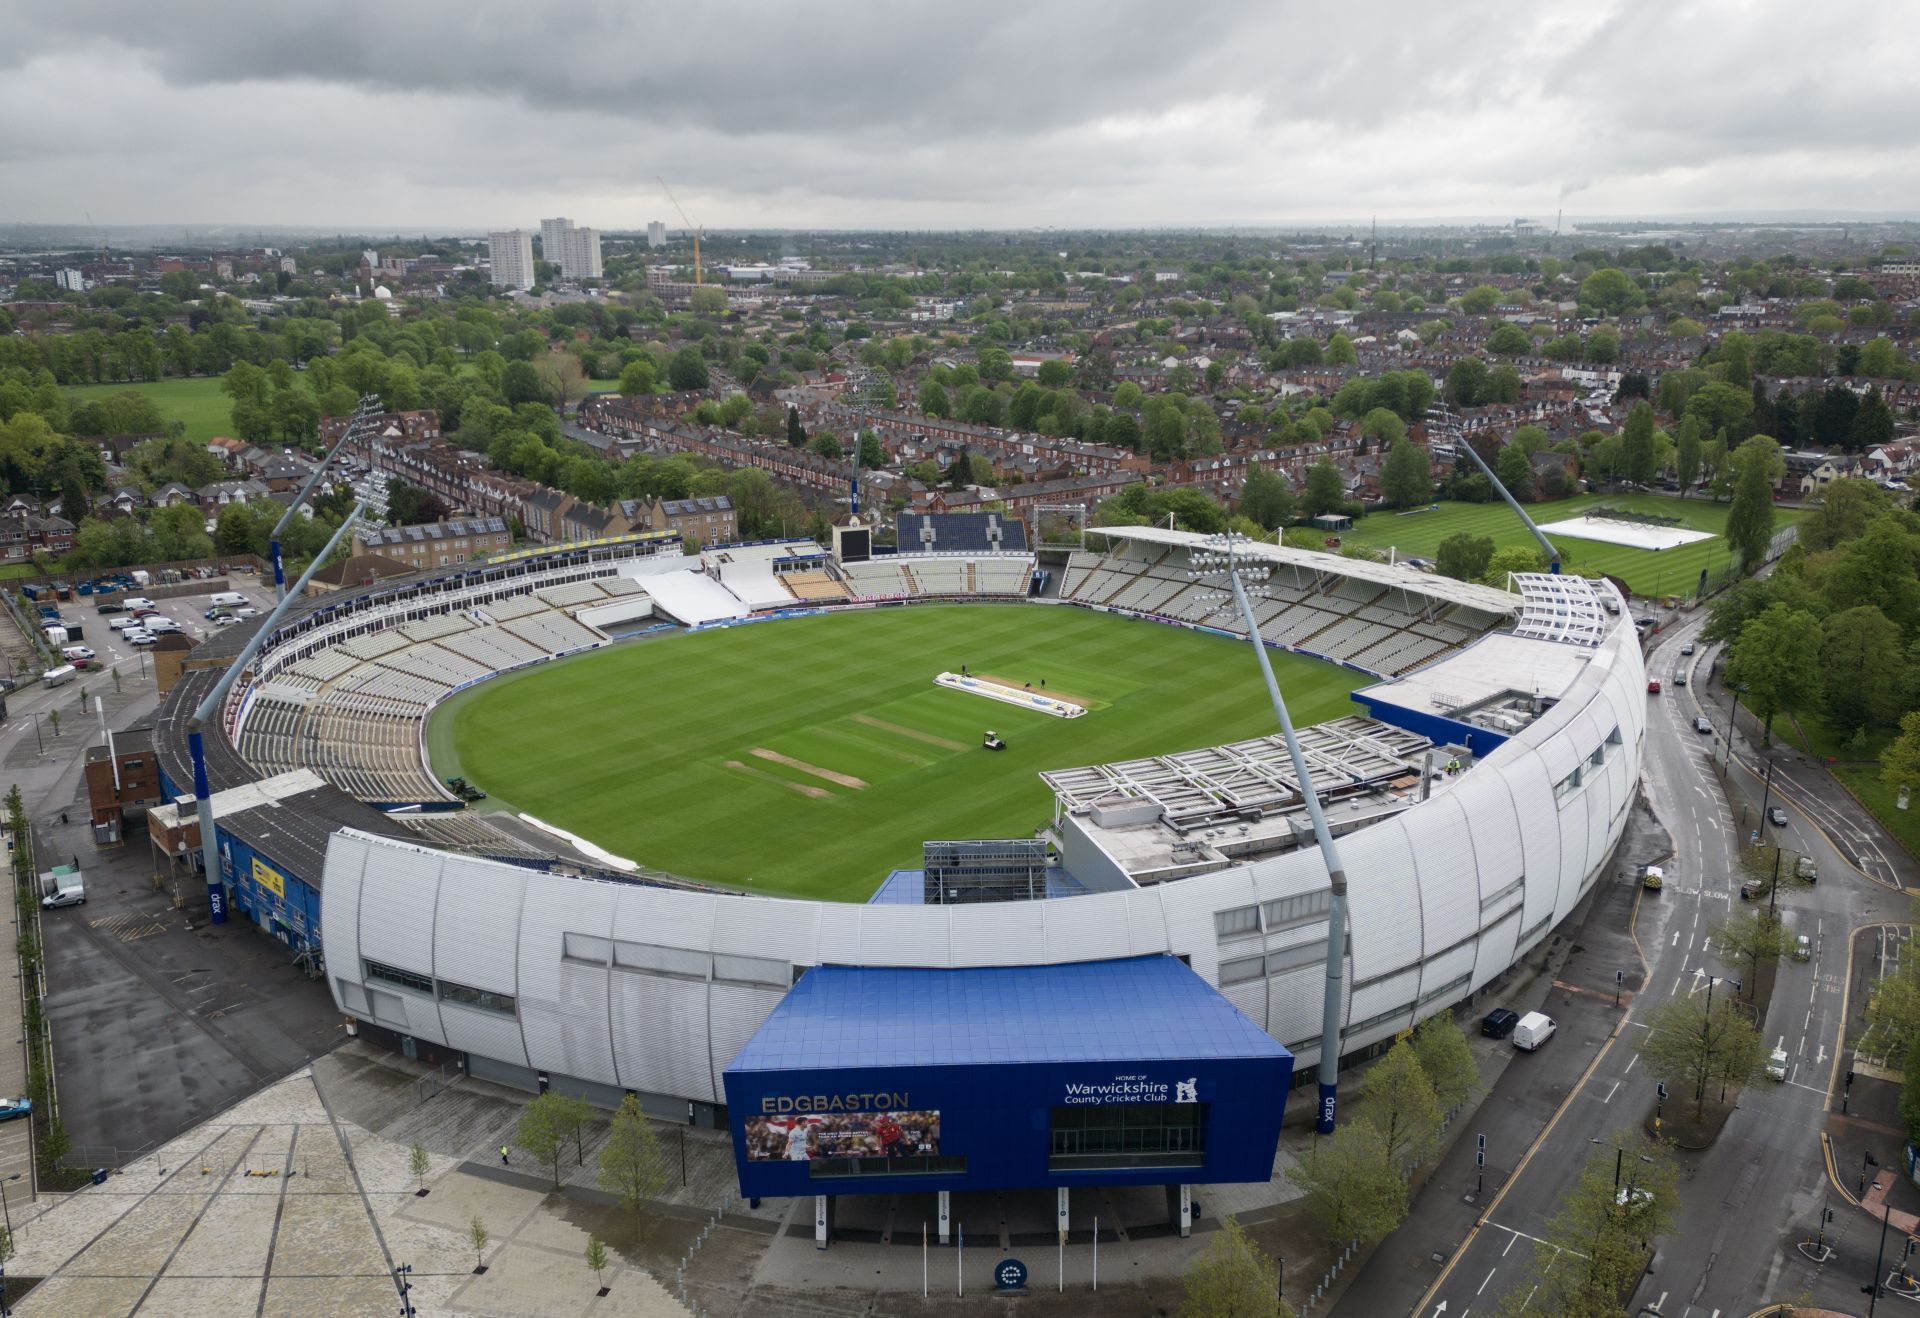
(421, 115)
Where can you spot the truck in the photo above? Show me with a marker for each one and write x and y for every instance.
(141, 577)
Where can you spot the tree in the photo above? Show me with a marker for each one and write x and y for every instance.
(1326, 489)
(826, 446)
(630, 1162)
(1872, 424)
(1266, 498)
(1467, 382)
(1384, 424)
(1861, 665)
(1900, 768)
(1232, 1278)
(1686, 460)
(638, 377)
(1406, 478)
(687, 370)
(934, 399)
(543, 1131)
(1719, 406)
(1637, 450)
(1464, 556)
(1350, 1185)
(1397, 1097)
(597, 1259)
(1509, 341)
(1610, 291)
(1744, 941)
(708, 301)
(1595, 1245)
(1447, 1059)
(417, 1163)
(796, 433)
(1750, 518)
(1514, 558)
(1340, 351)
(477, 1240)
(1777, 660)
(1515, 471)
(521, 383)
(1691, 1050)
(1879, 568)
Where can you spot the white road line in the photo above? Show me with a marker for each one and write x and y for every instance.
(1611, 1092)
(1676, 939)
(1483, 1285)
(1512, 1240)
(1630, 1062)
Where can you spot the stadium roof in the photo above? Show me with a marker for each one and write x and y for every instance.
(1150, 1008)
(1360, 569)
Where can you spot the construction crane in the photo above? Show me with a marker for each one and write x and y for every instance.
(691, 226)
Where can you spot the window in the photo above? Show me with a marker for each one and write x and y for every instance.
(484, 999)
(1567, 786)
(587, 948)
(1599, 756)
(1240, 970)
(1452, 988)
(1293, 958)
(403, 978)
(660, 960)
(1128, 1135)
(752, 970)
(1286, 912)
(1241, 920)
(1511, 890)
(937, 1164)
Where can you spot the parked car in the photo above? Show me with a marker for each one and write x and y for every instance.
(1700, 724)
(76, 654)
(104, 607)
(1752, 890)
(7, 684)
(1534, 1029)
(246, 611)
(224, 620)
(140, 636)
(158, 623)
(146, 611)
(1776, 816)
(126, 624)
(15, 1107)
(1499, 1023)
(137, 602)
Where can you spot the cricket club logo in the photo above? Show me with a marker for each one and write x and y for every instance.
(1187, 1091)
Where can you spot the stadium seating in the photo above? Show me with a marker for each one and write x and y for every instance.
(938, 576)
(961, 533)
(1386, 629)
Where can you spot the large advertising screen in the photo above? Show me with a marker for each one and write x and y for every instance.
(804, 1136)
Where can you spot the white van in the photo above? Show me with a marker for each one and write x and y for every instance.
(229, 599)
(60, 676)
(1534, 1029)
(159, 625)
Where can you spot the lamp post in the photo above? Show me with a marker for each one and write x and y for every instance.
(1219, 557)
(1732, 722)
(1766, 792)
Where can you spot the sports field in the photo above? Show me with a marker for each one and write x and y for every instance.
(196, 402)
(813, 755)
(1646, 571)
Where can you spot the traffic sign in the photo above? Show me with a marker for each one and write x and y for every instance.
(1010, 1275)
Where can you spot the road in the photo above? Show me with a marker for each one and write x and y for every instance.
(1758, 1190)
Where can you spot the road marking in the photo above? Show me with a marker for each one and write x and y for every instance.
(1676, 939)
(1483, 1285)
(1512, 1240)
(1630, 1062)
(1611, 1092)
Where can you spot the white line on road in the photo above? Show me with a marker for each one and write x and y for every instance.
(1611, 1092)
(1630, 1062)
(1483, 1285)
(1512, 1240)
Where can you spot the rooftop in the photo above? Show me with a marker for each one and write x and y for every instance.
(1144, 1009)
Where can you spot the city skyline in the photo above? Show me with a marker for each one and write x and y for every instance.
(1021, 120)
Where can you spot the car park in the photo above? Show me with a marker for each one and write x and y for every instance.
(1776, 816)
(1701, 725)
(1499, 1023)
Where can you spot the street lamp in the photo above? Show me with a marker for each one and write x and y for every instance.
(1733, 722)
(1219, 557)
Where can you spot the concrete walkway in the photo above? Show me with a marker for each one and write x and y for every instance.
(279, 1206)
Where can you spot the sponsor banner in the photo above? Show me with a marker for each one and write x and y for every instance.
(803, 1136)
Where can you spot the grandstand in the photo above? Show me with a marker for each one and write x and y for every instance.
(961, 533)
(1373, 616)
(938, 576)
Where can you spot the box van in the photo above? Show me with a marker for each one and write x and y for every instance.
(230, 599)
(60, 676)
(1534, 1029)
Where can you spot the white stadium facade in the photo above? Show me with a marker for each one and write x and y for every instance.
(1477, 792)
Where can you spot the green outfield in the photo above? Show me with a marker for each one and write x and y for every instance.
(197, 402)
(813, 755)
(1646, 572)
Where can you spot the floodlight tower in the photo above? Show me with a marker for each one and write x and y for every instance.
(1220, 558)
(1553, 555)
(373, 500)
(363, 414)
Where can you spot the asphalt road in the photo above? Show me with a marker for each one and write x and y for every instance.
(1758, 1190)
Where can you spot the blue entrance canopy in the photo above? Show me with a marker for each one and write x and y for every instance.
(1141, 1009)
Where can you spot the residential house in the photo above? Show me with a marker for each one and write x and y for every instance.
(25, 530)
(436, 544)
(703, 521)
